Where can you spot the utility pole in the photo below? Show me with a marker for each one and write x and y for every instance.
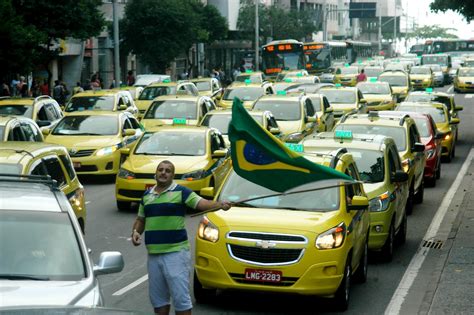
(395, 30)
(325, 17)
(116, 44)
(257, 58)
(380, 32)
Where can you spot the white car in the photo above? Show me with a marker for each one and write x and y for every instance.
(438, 75)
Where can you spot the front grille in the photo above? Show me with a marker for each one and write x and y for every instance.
(267, 237)
(131, 193)
(468, 82)
(144, 176)
(86, 168)
(285, 281)
(270, 256)
(81, 153)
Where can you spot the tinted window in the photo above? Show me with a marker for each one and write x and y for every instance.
(423, 126)
(31, 133)
(174, 108)
(87, 125)
(54, 170)
(106, 102)
(244, 93)
(281, 110)
(370, 88)
(203, 85)
(370, 164)
(397, 133)
(151, 92)
(394, 80)
(17, 110)
(67, 165)
(339, 96)
(172, 143)
(437, 113)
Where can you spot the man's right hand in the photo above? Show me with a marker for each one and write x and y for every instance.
(136, 238)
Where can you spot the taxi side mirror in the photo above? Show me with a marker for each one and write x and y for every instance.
(129, 132)
(329, 110)
(125, 151)
(358, 203)
(399, 177)
(311, 119)
(418, 147)
(362, 101)
(219, 153)
(454, 121)
(207, 192)
(122, 107)
(43, 123)
(458, 108)
(439, 135)
(274, 130)
(45, 131)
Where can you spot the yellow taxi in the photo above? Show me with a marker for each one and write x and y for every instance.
(286, 243)
(347, 75)
(102, 100)
(407, 139)
(294, 113)
(94, 138)
(444, 124)
(18, 128)
(250, 76)
(385, 183)
(344, 100)
(290, 74)
(199, 155)
(379, 95)
(220, 119)
(133, 90)
(324, 112)
(210, 87)
(167, 110)
(464, 80)
(421, 77)
(166, 87)
(247, 92)
(44, 110)
(399, 81)
(36, 158)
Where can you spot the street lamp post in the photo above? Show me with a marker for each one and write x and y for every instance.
(256, 36)
(116, 44)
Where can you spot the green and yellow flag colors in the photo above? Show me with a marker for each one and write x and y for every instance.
(263, 159)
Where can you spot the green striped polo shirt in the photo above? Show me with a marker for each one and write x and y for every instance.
(164, 214)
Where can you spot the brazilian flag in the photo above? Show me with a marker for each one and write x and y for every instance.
(261, 158)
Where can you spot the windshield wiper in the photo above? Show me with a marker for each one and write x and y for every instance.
(244, 204)
(86, 134)
(22, 277)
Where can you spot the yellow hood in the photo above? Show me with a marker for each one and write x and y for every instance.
(466, 79)
(78, 142)
(377, 98)
(419, 76)
(289, 127)
(148, 163)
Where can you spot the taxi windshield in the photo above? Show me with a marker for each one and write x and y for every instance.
(373, 72)
(244, 93)
(370, 164)
(172, 143)
(87, 126)
(394, 80)
(81, 103)
(39, 245)
(368, 88)
(420, 70)
(339, 96)
(237, 188)
(203, 85)
(174, 108)
(417, 98)
(397, 133)
(221, 122)
(281, 110)
(469, 72)
(436, 113)
(16, 110)
(151, 92)
(423, 126)
(254, 78)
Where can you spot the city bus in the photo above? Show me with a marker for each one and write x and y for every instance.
(282, 55)
(452, 46)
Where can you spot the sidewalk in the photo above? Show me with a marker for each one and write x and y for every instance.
(445, 282)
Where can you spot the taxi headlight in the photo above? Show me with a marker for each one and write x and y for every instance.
(194, 175)
(430, 153)
(76, 199)
(126, 174)
(406, 165)
(332, 238)
(208, 231)
(106, 150)
(426, 80)
(380, 203)
(294, 137)
(447, 136)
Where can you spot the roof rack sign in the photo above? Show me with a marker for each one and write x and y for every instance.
(297, 147)
(179, 121)
(343, 134)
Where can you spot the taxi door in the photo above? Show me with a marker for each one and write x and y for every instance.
(130, 122)
(418, 157)
(399, 191)
(221, 165)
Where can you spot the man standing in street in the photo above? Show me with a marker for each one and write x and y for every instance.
(361, 77)
(161, 215)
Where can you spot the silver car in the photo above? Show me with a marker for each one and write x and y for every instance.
(438, 75)
(44, 260)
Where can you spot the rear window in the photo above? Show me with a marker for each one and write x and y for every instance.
(397, 133)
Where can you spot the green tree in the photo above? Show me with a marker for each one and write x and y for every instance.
(431, 31)
(50, 21)
(159, 31)
(464, 7)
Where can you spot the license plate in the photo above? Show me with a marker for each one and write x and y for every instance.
(76, 164)
(260, 275)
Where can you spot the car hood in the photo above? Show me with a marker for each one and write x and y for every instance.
(464, 79)
(419, 76)
(147, 163)
(91, 142)
(154, 123)
(17, 293)
(274, 220)
(289, 127)
(400, 89)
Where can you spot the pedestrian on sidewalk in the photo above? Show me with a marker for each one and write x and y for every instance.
(44, 88)
(161, 216)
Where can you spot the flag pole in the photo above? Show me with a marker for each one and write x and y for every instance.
(275, 195)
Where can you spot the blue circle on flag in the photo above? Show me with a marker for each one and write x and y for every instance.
(254, 155)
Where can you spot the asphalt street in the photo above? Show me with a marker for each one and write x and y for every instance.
(108, 229)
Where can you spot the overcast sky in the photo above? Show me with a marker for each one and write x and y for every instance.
(419, 9)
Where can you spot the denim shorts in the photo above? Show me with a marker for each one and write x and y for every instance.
(168, 276)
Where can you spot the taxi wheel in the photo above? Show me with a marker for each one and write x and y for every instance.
(342, 296)
(421, 191)
(360, 275)
(387, 249)
(201, 294)
(431, 181)
(123, 205)
(438, 171)
(402, 232)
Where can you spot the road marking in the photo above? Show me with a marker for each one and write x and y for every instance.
(450, 89)
(88, 202)
(415, 264)
(469, 95)
(131, 286)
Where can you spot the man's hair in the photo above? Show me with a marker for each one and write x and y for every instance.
(166, 162)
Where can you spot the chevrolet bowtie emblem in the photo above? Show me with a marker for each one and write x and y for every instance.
(265, 244)
(73, 151)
